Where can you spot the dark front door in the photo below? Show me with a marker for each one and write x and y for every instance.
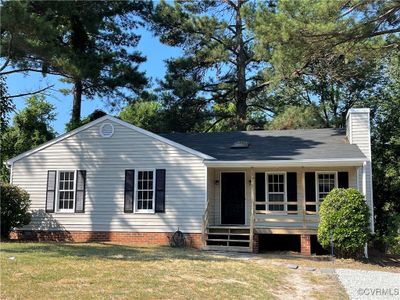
(232, 198)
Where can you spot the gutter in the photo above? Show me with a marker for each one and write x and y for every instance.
(288, 163)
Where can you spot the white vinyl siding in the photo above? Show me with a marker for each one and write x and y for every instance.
(105, 161)
(359, 133)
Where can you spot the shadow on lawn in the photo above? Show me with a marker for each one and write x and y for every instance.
(110, 251)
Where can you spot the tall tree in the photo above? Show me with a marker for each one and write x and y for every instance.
(31, 127)
(218, 66)
(385, 137)
(90, 44)
(326, 51)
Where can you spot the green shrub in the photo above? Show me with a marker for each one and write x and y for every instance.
(346, 216)
(387, 238)
(13, 208)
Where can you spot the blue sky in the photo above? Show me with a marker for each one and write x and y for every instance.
(154, 67)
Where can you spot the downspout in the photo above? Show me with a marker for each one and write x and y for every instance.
(364, 188)
(364, 179)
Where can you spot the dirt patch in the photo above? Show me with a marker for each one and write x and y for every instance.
(383, 263)
(303, 283)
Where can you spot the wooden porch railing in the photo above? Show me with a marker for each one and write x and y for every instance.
(301, 207)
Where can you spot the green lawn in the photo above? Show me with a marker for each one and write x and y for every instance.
(109, 271)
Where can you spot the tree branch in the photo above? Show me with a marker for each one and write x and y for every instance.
(231, 4)
(31, 93)
(5, 64)
(32, 70)
(216, 122)
(8, 55)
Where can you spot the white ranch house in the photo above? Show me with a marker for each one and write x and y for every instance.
(110, 180)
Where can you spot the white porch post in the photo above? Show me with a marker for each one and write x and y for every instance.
(206, 209)
(253, 206)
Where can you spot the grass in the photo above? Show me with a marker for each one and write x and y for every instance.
(376, 262)
(109, 271)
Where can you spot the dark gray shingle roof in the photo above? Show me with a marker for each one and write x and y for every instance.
(271, 145)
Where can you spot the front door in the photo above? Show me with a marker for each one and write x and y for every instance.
(233, 198)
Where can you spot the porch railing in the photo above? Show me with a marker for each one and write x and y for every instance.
(302, 207)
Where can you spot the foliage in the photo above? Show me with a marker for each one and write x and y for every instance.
(14, 207)
(31, 127)
(334, 73)
(385, 138)
(97, 113)
(90, 44)
(388, 240)
(218, 66)
(144, 114)
(6, 105)
(344, 215)
(295, 117)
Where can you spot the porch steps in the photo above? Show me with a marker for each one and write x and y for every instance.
(227, 238)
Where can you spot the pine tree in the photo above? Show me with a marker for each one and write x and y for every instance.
(88, 43)
(218, 66)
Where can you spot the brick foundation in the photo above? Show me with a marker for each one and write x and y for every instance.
(256, 243)
(305, 244)
(193, 240)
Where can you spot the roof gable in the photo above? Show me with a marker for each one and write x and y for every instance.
(118, 121)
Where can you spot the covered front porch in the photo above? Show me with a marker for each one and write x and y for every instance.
(247, 200)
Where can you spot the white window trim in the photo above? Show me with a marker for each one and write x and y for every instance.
(62, 210)
(135, 202)
(284, 211)
(318, 202)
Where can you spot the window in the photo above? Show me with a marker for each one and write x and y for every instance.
(145, 191)
(66, 191)
(276, 191)
(325, 183)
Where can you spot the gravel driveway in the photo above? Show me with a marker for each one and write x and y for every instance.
(360, 284)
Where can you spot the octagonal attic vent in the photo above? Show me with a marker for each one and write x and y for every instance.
(240, 145)
(106, 130)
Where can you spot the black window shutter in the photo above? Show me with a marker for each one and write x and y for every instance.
(51, 191)
(291, 186)
(129, 190)
(310, 190)
(260, 190)
(160, 191)
(343, 180)
(80, 191)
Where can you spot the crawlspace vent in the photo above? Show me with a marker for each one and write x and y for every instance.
(107, 130)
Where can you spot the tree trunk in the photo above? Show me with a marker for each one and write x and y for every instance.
(76, 106)
(241, 91)
(79, 42)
